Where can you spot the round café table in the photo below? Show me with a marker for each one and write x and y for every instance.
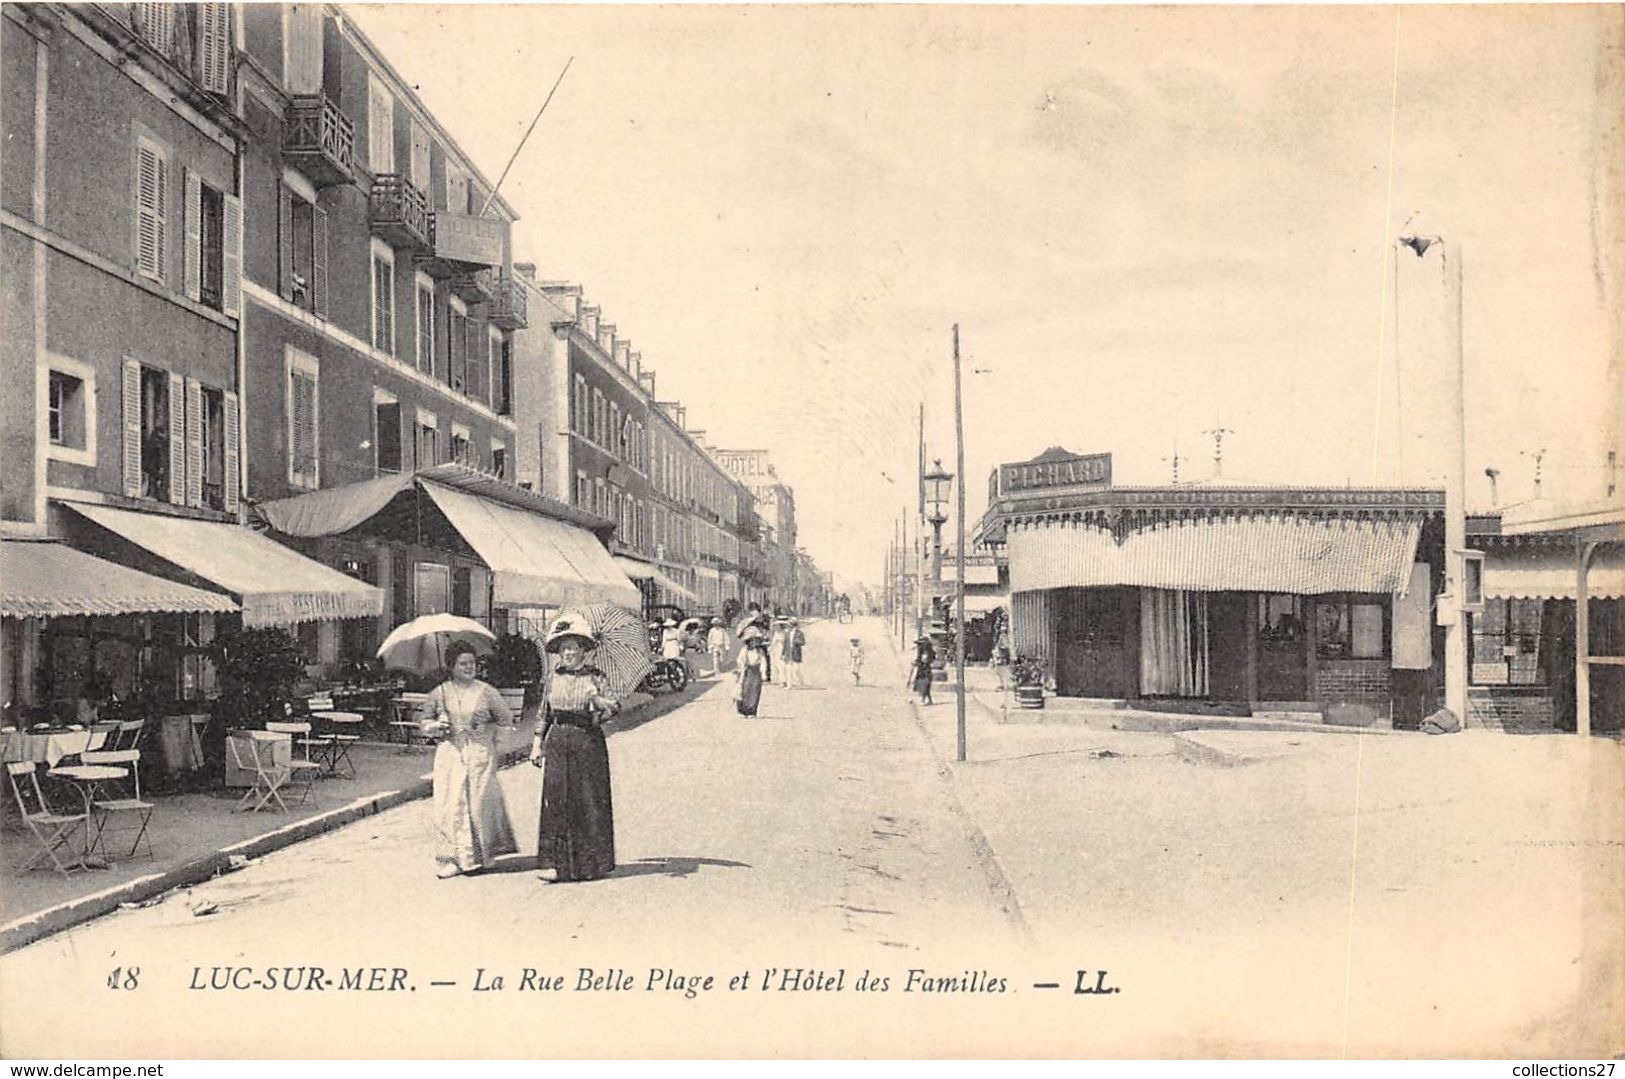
(87, 777)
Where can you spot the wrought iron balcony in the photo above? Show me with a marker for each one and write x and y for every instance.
(399, 212)
(319, 140)
(509, 308)
(474, 286)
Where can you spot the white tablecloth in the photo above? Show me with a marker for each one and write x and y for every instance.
(49, 747)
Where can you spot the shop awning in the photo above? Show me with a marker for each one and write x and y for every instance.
(48, 579)
(274, 584)
(1294, 555)
(645, 572)
(974, 574)
(535, 561)
(1548, 572)
(985, 604)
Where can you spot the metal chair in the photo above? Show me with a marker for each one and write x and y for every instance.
(303, 768)
(127, 736)
(123, 800)
(406, 706)
(335, 743)
(50, 828)
(269, 775)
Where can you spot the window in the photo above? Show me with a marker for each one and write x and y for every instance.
(214, 245)
(1506, 643)
(616, 444)
(383, 297)
(583, 492)
(598, 416)
(462, 449)
(600, 497)
(304, 434)
(386, 433)
(302, 246)
(426, 441)
(461, 587)
(66, 410)
(151, 199)
(420, 156)
(457, 345)
(213, 448)
(499, 460)
(431, 588)
(380, 127)
(578, 414)
(1351, 627)
(425, 308)
(502, 376)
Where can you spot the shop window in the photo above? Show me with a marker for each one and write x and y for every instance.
(1351, 627)
(1280, 619)
(1506, 643)
(431, 588)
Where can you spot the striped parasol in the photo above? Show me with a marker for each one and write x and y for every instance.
(623, 644)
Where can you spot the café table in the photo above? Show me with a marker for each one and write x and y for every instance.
(86, 778)
(342, 729)
(47, 746)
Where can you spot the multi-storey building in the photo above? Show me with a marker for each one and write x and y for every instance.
(776, 509)
(125, 227)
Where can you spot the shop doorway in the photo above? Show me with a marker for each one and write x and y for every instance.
(1283, 648)
(1097, 642)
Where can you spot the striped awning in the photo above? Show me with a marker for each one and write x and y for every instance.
(47, 579)
(1294, 555)
(1549, 572)
(275, 585)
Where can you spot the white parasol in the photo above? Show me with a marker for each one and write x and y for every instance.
(420, 645)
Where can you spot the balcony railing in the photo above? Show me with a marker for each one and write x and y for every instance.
(475, 286)
(510, 306)
(319, 140)
(399, 212)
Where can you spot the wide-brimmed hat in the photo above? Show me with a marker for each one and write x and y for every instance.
(670, 623)
(566, 628)
(854, 640)
(716, 621)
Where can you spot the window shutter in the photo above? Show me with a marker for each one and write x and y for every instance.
(149, 211)
(177, 439)
(214, 47)
(132, 428)
(302, 438)
(229, 416)
(284, 240)
(231, 257)
(194, 442)
(318, 261)
(194, 233)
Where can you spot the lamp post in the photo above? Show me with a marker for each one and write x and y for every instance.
(937, 483)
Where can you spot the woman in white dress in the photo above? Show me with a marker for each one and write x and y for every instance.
(470, 819)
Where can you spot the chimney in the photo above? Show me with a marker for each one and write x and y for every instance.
(623, 352)
(1493, 474)
(606, 337)
(527, 270)
(567, 298)
(635, 365)
(646, 379)
(588, 319)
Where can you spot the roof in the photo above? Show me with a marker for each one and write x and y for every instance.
(49, 579)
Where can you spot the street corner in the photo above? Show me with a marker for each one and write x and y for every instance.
(1234, 749)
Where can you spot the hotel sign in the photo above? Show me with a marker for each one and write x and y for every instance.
(466, 238)
(1092, 470)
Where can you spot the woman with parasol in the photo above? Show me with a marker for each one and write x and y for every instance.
(469, 814)
(748, 675)
(577, 830)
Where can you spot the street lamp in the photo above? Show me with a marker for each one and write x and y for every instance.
(938, 481)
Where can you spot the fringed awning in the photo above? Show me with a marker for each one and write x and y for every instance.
(1551, 572)
(1293, 555)
(274, 584)
(645, 572)
(48, 579)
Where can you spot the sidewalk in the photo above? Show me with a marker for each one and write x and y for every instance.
(199, 836)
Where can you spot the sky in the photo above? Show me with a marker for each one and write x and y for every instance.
(1148, 224)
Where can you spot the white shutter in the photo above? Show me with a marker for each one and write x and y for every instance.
(304, 29)
(380, 127)
(132, 428)
(318, 262)
(420, 156)
(149, 213)
(194, 442)
(214, 47)
(177, 439)
(194, 234)
(229, 416)
(231, 257)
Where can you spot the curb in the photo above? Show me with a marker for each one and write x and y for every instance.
(41, 924)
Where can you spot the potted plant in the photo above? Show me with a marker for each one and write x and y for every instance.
(1029, 675)
(513, 666)
(256, 670)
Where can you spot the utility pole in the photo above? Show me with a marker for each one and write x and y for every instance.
(959, 548)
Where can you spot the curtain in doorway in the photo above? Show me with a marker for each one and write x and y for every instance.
(1173, 643)
(1030, 626)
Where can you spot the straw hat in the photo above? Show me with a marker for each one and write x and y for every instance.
(566, 628)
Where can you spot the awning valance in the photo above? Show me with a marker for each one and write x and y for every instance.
(1549, 572)
(47, 579)
(535, 561)
(974, 574)
(643, 571)
(1294, 555)
(274, 584)
(975, 604)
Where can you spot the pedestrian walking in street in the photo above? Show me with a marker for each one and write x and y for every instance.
(716, 644)
(471, 821)
(921, 671)
(854, 655)
(576, 834)
(792, 651)
(671, 644)
(778, 648)
(755, 616)
(748, 675)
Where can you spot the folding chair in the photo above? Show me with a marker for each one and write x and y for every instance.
(405, 710)
(300, 768)
(199, 724)
(335, 742)
(319, 746)
(128, 735)
(269, 776)
(50, 828)
(123, 799)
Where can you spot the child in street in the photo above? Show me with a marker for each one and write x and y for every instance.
(854, 655)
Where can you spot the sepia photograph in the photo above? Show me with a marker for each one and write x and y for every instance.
(812, 531)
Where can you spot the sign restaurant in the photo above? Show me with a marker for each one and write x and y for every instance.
(1086, 470)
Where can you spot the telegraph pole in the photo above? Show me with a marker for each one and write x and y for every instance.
(959, 555)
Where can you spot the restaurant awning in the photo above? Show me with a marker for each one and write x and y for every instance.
(1550, 572)
(275, 585)
(535, 561)
(49, 579)
(643, 571)
(1304, 556)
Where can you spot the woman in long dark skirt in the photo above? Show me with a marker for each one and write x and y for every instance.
(920, 671)
(577, 830)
